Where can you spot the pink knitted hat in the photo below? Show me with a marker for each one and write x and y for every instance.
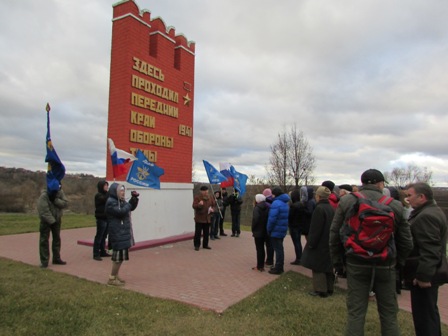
(267, 192)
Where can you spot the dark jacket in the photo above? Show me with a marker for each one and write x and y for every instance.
(100, 200)
(278, 217)
(402, 234)
(201, 212)
(235, 202)
(50, 212)
(309, 206)
(298, 209)
(316, 254)
(260, 220)
(429, 232)
(119, 218)
(269, 201)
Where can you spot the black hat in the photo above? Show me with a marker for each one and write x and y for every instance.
(372, 176)
(328, 184)
(204, 187)
(347, 187)
(277, 191)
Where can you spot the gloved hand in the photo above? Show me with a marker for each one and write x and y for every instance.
(134, 199)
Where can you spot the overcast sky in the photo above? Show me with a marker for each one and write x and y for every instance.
(366, 81)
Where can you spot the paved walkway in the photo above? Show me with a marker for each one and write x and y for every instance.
(210, 279)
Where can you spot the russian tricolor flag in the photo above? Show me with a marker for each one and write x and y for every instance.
(224, 168)
(120, 158)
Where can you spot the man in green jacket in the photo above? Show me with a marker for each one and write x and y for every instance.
(429, 231)
(363, 274)
(50, 207)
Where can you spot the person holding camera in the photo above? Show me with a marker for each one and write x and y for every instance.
(118, 212)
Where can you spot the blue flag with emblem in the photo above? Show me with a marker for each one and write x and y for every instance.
(144, 173)
(239, 181)
(213, 174)
(55, 169)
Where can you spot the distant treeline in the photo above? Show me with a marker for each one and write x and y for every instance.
(20, 189)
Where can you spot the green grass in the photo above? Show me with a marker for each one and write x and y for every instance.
(42, 302)
(15, 223)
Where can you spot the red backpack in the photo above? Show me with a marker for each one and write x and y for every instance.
(368, 229)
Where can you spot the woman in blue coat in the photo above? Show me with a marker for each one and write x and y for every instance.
(277, 227)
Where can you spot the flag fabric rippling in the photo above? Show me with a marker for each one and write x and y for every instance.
(120, 159)
(144, 173)
(55, 169)
(239, 181)
(224, 169)
(214, 176)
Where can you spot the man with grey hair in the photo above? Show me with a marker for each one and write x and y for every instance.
(364, 274)
(429, 232)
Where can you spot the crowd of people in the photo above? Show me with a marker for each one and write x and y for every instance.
(408, 258)
(333, 248)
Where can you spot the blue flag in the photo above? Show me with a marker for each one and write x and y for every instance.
(214, 176)
(55, 169)
(144, 173)
(239, 181)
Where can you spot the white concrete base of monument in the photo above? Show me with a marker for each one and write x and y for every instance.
(162, 213)
(162, 216)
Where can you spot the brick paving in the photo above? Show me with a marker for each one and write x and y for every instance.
(210, 279)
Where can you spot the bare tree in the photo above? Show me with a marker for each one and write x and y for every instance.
(278, 174)
(300, 159)
(254, 180)
(292, 161)
(401, 177)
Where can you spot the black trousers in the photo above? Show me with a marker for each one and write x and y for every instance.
(425, 311)
(204, 230)
(44, 242)
(261, 254)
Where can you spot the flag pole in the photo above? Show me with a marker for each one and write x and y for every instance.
(216, 201)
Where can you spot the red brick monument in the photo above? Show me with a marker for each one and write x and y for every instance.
(151, 108)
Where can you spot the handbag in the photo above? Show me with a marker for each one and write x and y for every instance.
(439, 278)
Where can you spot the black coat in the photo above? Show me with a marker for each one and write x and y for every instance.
(235, 203)
(429, 232)
(316, 254)
(260, 220)
(119, 218)
(297, 215)
(100, 200)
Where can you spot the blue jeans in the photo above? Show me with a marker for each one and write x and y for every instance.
(100, 238)
(296, 240)
(216, 218)
(277, 244)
